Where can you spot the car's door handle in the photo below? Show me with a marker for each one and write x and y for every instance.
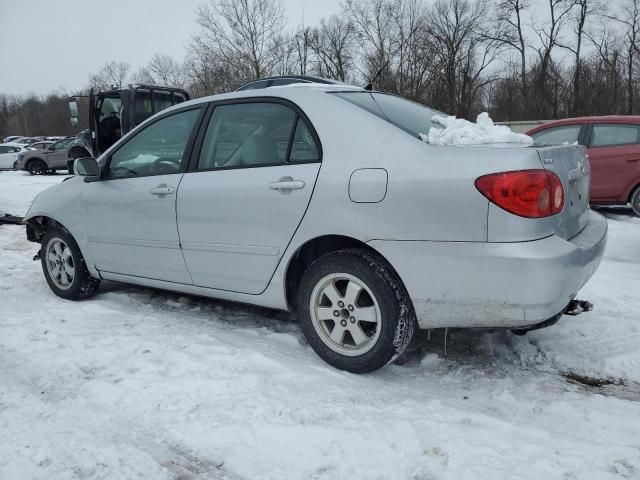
(286, 185)
(162, 190)
(633, 159)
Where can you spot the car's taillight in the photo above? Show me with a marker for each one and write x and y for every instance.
(527, 193)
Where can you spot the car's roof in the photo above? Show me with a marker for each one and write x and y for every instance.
(279, 91)
(13, 144)
(596, 119)
(296, 78)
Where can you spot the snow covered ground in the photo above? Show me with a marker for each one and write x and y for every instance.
(143, 384)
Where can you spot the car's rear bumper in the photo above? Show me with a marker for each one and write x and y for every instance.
(469, 284)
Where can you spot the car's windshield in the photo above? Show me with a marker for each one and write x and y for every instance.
(414, 118)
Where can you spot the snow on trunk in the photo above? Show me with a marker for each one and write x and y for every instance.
(458, 131)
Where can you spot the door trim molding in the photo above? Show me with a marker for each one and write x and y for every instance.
(229, 248)
(135, 242)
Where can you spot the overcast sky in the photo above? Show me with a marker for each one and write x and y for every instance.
(51, 44)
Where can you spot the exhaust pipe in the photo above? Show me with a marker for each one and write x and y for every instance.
(575, 307)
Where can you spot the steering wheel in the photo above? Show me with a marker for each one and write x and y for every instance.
(165, 167)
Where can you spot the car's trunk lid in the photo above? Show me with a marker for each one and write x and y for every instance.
(571, 164)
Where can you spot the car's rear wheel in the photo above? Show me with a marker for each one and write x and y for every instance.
(36, 167)
(354, 311)
(64, 267)
(635, 201)
(15, 166)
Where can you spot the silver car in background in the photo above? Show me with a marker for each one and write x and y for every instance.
(322, 200)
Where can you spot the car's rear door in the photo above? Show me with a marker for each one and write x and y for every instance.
(614, 154)
(246, 193)
(57, 157)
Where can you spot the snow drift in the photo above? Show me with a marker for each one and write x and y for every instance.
(458, 131)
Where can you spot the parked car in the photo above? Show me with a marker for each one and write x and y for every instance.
(11, 138)
(613, 147)
(38, 162)
(325, 202)
(9, 155)
(42, 145)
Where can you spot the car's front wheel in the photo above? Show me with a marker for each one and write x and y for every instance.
(64, 267)
(36, 167)
(635, 201)
(354, 311)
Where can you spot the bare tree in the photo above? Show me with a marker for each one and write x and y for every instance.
(582, 10)
(111, 74)
(510, 32)
(546, 78)
(463, 50)
(372, 21)
(332, 44)
(630, 20)
(246, 34)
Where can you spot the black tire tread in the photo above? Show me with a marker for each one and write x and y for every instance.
(635, 201)
(406, 318)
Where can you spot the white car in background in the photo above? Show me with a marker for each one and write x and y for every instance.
(9, 155)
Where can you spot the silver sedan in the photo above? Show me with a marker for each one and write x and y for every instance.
(322, 200)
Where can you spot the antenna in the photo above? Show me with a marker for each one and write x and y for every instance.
(369, 86)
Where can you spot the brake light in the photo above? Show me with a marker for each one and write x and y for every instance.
(526, 193)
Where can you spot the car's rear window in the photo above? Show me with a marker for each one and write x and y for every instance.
(414, 118)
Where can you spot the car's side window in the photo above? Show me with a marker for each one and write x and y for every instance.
(247, 135)
(567, 134)
(303, 147)
(158, 149)
(604, 135)
(4, 149)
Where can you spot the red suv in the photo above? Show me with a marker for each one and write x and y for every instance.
(613, 145)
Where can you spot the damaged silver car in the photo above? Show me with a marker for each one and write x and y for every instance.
(322, 200)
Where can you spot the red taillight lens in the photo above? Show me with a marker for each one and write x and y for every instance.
(527, 193)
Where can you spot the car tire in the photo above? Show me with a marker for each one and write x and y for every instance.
(64, 267)
(635, 201)
(36, 167)
(15, 166)
(358, 293)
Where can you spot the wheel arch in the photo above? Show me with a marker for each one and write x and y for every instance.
(34, 158)
(315, 248)
(635, 185)
(39, 224)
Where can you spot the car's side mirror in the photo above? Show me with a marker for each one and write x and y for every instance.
(87, 167)
(73, 111)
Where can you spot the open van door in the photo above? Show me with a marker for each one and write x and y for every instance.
(143, 101)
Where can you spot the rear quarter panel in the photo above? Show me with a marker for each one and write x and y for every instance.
(430, 194)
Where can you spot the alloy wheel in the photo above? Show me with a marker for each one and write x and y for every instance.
(60, 263)
(345, 314)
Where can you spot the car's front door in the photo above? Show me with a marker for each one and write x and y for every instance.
(240, 206)
(131, 213)
(614, 154)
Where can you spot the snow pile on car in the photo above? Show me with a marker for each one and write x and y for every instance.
(458, 131)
